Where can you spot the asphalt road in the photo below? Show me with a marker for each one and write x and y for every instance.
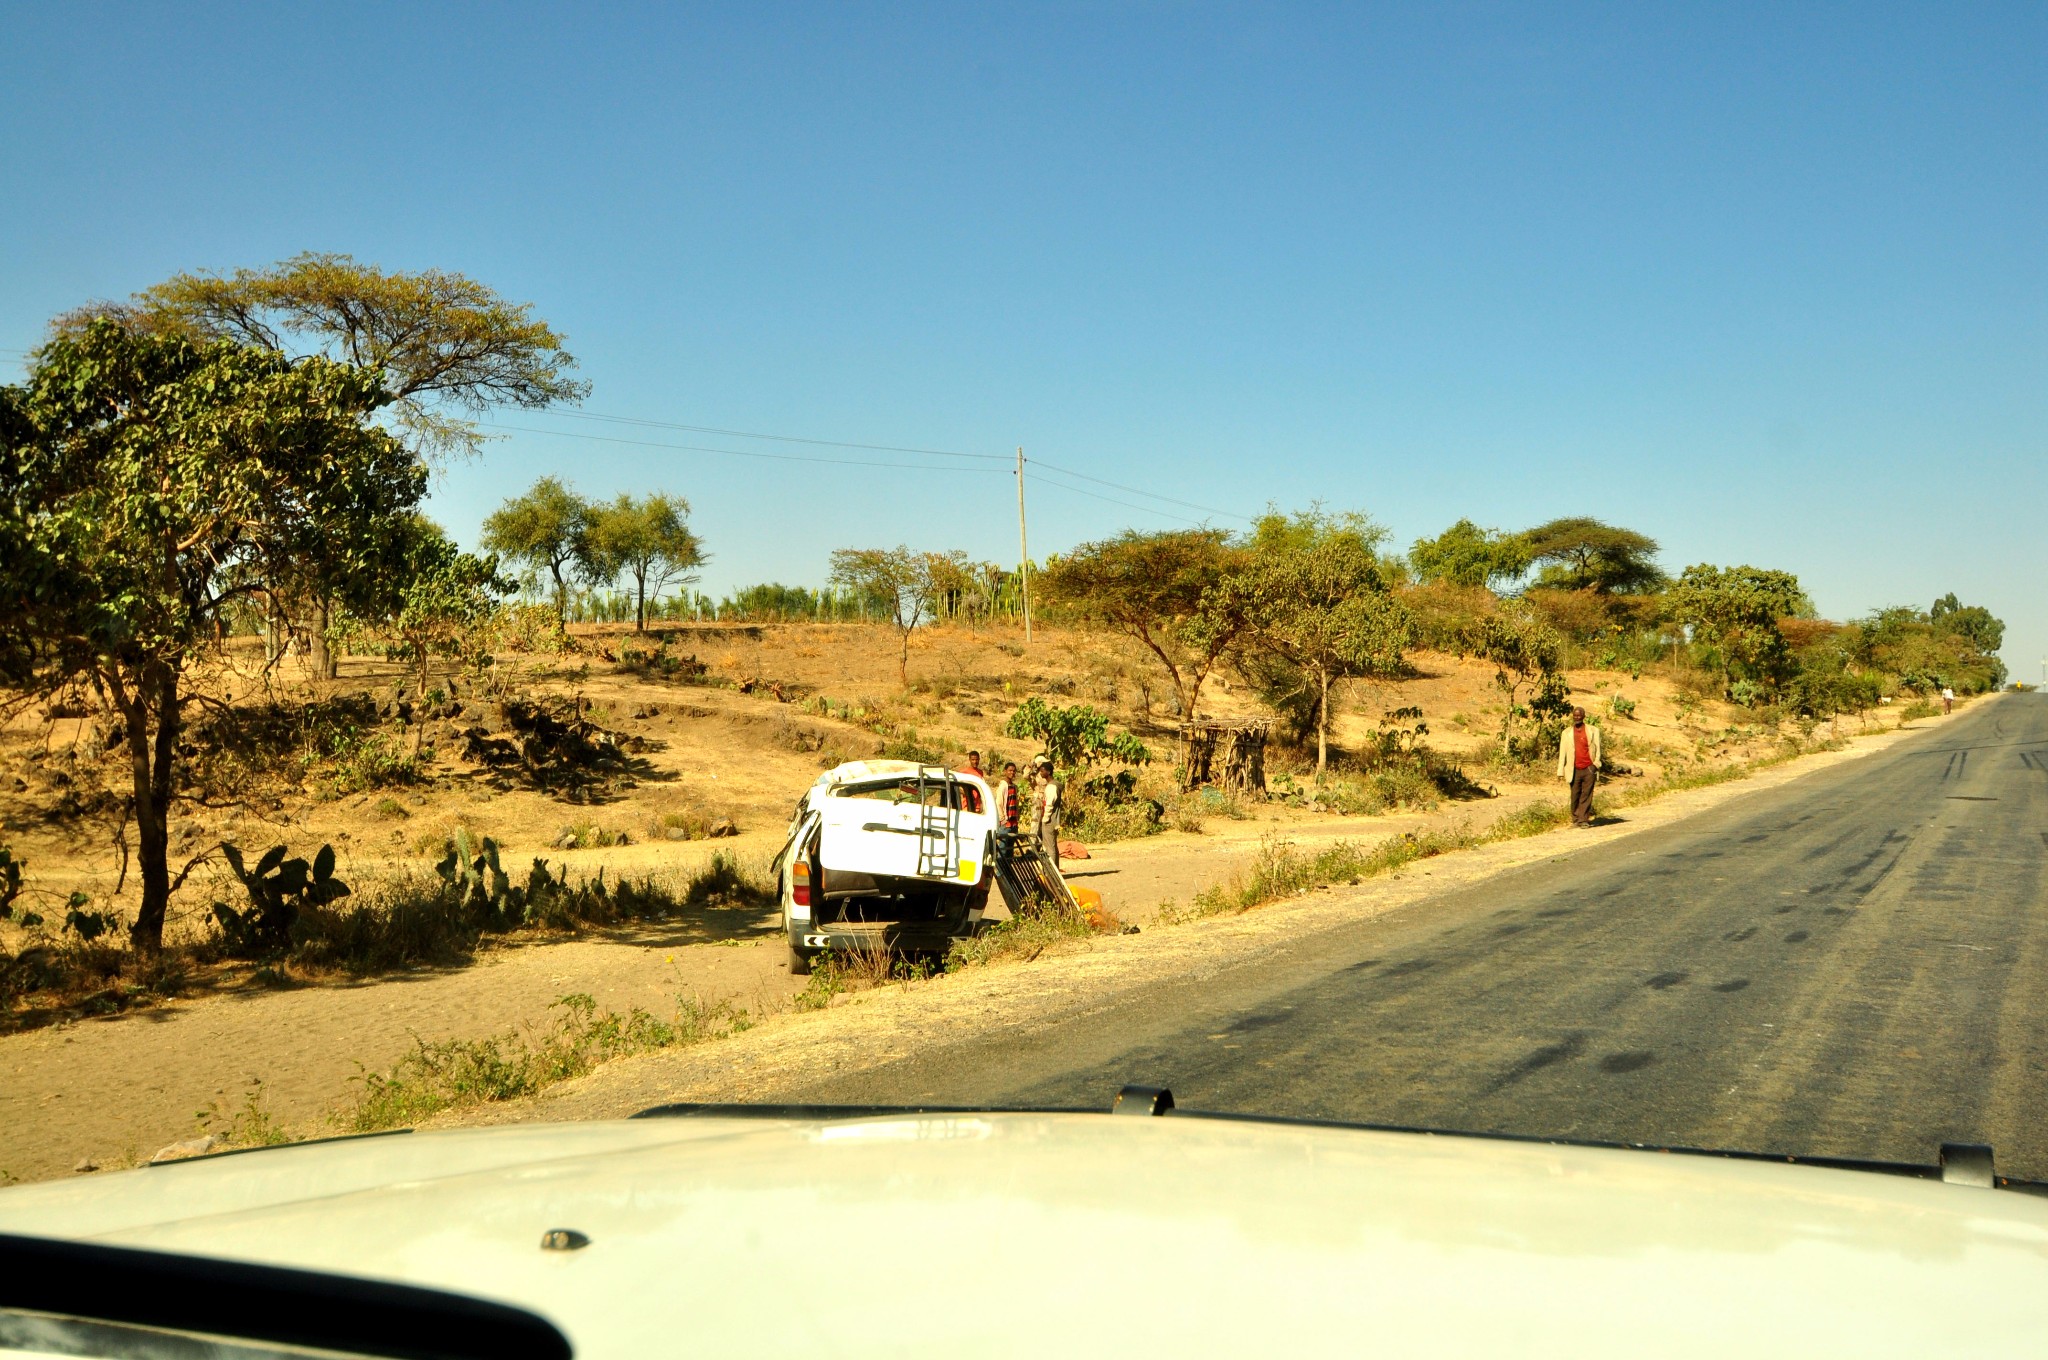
(1854, 965)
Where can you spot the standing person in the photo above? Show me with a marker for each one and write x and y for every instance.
(1578, 760)
(1009, 805)
(1948, 700)
(974, 765)
(1045, 808)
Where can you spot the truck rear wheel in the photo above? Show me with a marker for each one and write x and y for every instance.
(799, 962)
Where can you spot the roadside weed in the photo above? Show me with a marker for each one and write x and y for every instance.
(454, 1073)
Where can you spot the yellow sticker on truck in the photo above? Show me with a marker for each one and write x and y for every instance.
(968, 871)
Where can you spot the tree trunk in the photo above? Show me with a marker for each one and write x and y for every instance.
(639, 603)
(273, 631)
(561, 596)
(903, 661)
(1322, 726)
(153, 759)
(324, 664)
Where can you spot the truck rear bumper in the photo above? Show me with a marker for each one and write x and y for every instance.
(899, 937)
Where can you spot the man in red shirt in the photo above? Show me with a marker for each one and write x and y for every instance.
(1578, 761)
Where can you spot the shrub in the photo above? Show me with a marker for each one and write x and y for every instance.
(1019, 939)
(1621, 706)
(356, 760)
(906, 746)
(1108, 807)
(459, 1072)
(414, 919)
(1445, 615)
(1532, 820)
(1578, 615)
(1075, 735)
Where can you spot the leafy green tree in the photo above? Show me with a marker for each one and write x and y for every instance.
(1467, 555)
(1073, 736)
(1735, 610)
(914, 585)
(1177, 593)
(542, 530)
(1317, 603)
(444, 598)
(1523, 650)
(1971, 622)
(1921, 653)
(647, 538)
(153, 485)
(1579, 553)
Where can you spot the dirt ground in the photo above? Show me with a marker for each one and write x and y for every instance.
(109, 1090)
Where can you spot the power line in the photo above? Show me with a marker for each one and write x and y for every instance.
(900, 448)
(1140, 491)
(779, 438)
(1111, 500)
(837, 462)
(731, 453)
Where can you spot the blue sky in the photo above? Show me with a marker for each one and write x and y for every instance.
(1765, 282)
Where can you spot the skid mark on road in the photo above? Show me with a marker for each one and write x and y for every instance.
(1626, 1062)
(1571, 1046)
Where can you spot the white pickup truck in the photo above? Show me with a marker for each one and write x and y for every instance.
(886, 853)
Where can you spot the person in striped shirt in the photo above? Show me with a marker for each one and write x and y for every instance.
(1009, 806)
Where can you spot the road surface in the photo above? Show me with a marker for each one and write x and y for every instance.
(1854, 965)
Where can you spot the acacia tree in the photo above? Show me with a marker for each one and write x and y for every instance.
(646, 538)
(1177, 593)
(1467, 555)
(912, 583)
(542, 530)
(439, 350)
(1317, 602)
(155, 483)
(1585, 554)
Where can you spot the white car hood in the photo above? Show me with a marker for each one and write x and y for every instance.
(1036, 1235)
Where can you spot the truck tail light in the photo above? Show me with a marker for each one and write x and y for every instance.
(800, 883)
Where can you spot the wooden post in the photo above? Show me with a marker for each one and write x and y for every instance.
(1023, 547)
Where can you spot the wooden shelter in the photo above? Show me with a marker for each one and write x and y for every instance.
(1229, 753)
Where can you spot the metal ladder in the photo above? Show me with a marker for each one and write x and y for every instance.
(938, 824)
(1029, 879)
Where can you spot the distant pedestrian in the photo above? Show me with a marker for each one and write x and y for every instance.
(1578, 760)
(1948, 700)
(1046, 811)
(974, 765)
(1009, 804)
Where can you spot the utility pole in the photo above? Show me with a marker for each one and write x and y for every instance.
(1023, 547)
